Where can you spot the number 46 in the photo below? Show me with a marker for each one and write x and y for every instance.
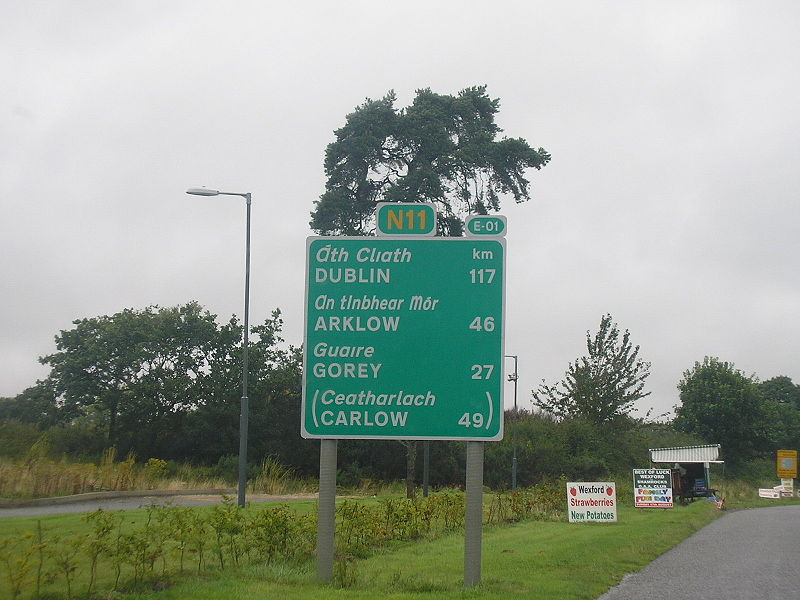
(482, 324)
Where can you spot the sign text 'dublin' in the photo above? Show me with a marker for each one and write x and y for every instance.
(404, 338)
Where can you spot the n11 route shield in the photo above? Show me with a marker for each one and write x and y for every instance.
(404, 338)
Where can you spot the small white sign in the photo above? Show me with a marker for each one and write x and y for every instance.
(594, 501)
(769, 493)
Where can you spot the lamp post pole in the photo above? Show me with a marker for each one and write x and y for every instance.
(514, 377)
(244, 408)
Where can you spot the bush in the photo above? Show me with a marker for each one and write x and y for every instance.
(79, 442)
(155, 469)
(17, 437)
(227, 468)
(272, 477)
(350, 476)
(577, 449)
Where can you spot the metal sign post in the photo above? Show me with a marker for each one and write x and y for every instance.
(326, 524)
(473, 517)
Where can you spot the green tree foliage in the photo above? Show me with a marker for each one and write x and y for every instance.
(601, 386)
(723, 406)
(781, 389)
(17, 437)
(441, 149)
(142, 367)
(38, 405)
(549, 448)
(782, 405)
(166, 382)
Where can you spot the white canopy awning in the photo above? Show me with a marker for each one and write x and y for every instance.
(686, 454)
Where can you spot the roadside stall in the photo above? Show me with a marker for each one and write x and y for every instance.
(691, 476)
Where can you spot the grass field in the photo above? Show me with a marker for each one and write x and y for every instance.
(531, 560)
(534, 559)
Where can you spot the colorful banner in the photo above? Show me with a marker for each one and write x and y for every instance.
(652, 488)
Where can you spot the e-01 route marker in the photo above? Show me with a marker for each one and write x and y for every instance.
(404, 338)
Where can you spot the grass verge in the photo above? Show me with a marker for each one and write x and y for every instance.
(531, 560)
(544, 558)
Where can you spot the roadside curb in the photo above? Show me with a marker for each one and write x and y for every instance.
(9, 503)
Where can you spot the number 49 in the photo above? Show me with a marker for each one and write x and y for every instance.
(471, 420)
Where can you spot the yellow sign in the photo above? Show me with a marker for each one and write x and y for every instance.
(787, 464)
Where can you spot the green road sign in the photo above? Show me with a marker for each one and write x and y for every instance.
(485, 225)
(404, 338)
(405, 218)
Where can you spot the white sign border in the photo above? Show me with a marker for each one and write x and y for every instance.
(305, 434)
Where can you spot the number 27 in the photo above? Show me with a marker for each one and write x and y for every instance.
(482, 371)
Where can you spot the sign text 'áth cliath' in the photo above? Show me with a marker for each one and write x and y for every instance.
(404, 338)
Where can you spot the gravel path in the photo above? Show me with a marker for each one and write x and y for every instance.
(745, 555)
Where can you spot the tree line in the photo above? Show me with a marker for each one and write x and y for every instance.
(165, 383)
(718, 402)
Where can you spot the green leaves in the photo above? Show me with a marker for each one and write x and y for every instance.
(601, 386)
(723, 405)
(441, 149)
(164, 381)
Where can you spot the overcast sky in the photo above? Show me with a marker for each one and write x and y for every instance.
(670, 201)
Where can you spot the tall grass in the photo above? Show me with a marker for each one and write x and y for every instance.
(276, 479)
(37, 476)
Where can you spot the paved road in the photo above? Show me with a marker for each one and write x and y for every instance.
(745, 555)
(132, 503)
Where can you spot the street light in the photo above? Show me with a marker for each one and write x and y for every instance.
(514, 377)
(243, 415)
